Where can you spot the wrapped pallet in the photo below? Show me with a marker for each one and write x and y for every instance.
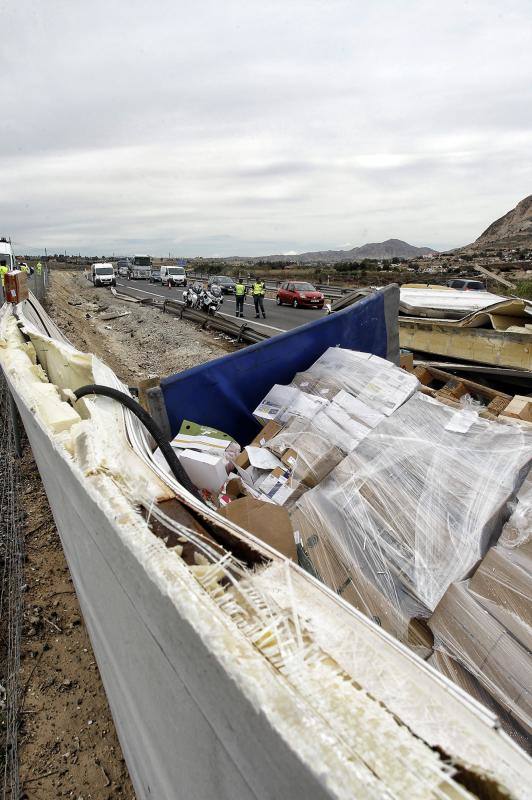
(329, 409)
(415, 505)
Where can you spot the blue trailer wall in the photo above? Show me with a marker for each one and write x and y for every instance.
(224, 393)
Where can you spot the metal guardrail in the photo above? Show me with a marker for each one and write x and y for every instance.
(241, 332)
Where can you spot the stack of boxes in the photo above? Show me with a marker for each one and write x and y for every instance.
(396, 499)
(484, 625)
(397, 502)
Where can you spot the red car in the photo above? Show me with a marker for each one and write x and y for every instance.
(300, 294)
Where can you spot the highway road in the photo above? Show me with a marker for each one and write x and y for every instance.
(278, 318)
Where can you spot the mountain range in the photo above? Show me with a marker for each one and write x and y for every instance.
(391, 248)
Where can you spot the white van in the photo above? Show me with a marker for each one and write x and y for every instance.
(103, 274)
(174, 276)
(7, 259)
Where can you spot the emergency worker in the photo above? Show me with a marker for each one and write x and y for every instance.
(258, 292)
(3, 270)
(240, 293)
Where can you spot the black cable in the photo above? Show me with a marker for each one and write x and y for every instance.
(149, 423)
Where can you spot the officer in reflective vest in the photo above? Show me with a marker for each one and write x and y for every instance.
(240, 293)
(258, 297)
(3, 269)
(38, 267)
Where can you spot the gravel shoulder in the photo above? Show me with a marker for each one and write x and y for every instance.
(68, 742)
(144, 343)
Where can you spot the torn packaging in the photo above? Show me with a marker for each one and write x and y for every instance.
(267, 522)
(465, 630)
(280, 487)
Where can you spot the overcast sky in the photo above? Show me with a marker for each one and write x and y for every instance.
(222, 127)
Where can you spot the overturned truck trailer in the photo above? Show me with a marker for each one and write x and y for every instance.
(230, 671)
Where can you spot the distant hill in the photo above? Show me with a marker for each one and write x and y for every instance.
(514, 230)
(391, 248)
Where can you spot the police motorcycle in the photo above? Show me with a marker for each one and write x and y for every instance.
(211, 299)
(192, 294)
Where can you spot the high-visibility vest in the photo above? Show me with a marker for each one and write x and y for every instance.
(25, 268)
(3, 270)
(240, 289)
(39, 267)
(258, 288)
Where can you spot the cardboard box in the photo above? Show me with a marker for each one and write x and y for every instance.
(504, 587)
(193, 436)
(270, 430)
(316, 456)
(16, 286)
(267, 522)
(279, 486)
(357, 588)
(272, 406)
(205, 470)
(289, 458)
(469, 633)
(449, 667)
(242, 460)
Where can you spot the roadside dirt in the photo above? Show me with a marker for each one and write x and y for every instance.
(144, 343)
(68, 742)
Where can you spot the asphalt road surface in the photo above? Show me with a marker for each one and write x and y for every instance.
(278, 318)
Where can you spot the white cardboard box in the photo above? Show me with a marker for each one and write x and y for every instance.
(205, 470)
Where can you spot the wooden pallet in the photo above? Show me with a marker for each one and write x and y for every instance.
(449, 389)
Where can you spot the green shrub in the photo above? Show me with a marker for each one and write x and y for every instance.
(524, 289)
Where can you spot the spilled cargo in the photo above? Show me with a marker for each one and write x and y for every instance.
(231, 670)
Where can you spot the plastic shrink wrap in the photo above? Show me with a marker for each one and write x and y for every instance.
(450, 667)
(497, 600)
(333, 406)
(412, 509)
(464, 629)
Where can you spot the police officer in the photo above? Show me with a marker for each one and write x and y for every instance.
(240, 293)
(258, 292)
(38, 267)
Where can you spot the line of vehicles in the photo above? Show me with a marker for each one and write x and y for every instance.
(139, 268)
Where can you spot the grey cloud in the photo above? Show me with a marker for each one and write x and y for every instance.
(274, 126)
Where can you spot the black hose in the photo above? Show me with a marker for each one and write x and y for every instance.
(149, 423)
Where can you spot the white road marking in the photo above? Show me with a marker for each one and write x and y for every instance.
(221, 313)
(142, 291)
(250, 321)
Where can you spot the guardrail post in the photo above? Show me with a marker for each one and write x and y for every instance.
(15, 424)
